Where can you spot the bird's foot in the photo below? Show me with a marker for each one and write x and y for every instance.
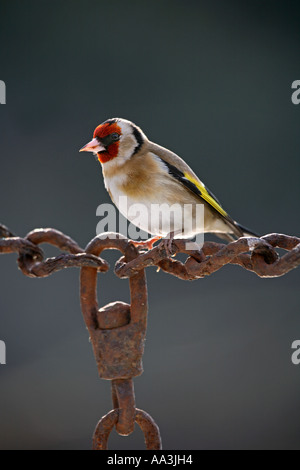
(167, 242)
(146, 244)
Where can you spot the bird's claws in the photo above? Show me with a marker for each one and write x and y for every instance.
(166, 244)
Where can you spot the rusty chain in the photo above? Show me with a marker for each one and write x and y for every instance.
(118, 330)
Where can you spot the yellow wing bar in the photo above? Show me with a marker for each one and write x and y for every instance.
(208, 197)
(195, 186)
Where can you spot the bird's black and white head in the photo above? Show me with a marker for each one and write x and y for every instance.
(116, 140)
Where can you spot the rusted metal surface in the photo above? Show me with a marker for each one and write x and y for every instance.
(150, 430)
(117, 333)
(124, 400)
(145, 422)
(103, 430)
(34, 265)
(118, 350)
(255, 254)
(31, 257)
(5, 232)
(118, 330)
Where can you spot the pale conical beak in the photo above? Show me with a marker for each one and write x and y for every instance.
(93, 146)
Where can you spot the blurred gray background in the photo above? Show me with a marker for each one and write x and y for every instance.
(210, 80)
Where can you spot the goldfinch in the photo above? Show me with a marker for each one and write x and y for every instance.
(142, 172)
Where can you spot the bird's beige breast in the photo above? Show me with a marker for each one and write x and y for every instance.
(139, 178)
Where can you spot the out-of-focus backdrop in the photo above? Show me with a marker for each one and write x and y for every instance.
(210, 80)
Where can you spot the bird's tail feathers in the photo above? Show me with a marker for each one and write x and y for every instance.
(246, 232)
(237, 232)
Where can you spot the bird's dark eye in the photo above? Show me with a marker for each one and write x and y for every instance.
(115, 136)
(110, 139)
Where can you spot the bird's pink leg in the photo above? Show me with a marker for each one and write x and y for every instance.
(146, 243)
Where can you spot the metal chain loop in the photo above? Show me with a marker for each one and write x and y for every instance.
(145, 422)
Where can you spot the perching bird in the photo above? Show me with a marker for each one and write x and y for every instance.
(149, 174)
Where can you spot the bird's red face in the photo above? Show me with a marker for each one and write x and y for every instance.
(116, 139)
(105, 141)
